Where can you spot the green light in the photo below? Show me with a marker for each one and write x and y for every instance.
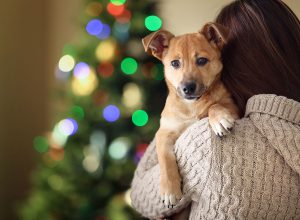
(129, 66)
(140, 118)
(77, 112)
(153, 23)
(118, 2)
(40, 144)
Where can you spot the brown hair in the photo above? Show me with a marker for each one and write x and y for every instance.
(263, 51)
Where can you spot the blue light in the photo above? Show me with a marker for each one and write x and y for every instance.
(94, 27)
(81, 70)
(111, 113)
(105, 32)
(121, 31)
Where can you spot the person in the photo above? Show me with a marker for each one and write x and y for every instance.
(253, 172)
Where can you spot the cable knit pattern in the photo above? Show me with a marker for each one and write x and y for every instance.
(252, 173)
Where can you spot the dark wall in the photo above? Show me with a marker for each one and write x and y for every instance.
(32, 34)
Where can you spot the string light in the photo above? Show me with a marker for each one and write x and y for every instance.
(94, 27)
(104, 33)
(84, 87)
(105, 69)
(77, 112)
(153, 23)
(129, 65)
(98, 140)
(124, 17)
(94, 9)
(81, 70)
(115, 10)
(140, 118)
(118, 2)
(40, 144)
(127, 197)
(105, 51)
(132, 96)
(61, 75)
(119, 148)
(121, 31)
(91, 163)
(66, 63)
(111, 113)
(68, 126)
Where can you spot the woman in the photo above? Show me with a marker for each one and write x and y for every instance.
(254, 172)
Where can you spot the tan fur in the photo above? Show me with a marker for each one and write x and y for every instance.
(179, 113)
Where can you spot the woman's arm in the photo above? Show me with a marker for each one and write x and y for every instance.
(190, 148)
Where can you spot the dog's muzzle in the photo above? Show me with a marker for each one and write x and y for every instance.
(191, 90)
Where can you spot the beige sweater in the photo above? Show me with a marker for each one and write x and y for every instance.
(253, 173)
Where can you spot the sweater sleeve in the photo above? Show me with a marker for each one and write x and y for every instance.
(145, 185)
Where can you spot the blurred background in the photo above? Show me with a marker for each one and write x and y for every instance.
(77, 101)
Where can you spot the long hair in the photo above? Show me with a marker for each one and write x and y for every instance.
(263, 51)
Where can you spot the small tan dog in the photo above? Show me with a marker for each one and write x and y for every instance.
(192, 65)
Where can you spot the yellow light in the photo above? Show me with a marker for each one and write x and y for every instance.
(66, 63)
(105, 51)
(85, 86)
(132, 96)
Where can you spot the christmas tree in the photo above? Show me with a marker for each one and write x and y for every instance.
(113, 94)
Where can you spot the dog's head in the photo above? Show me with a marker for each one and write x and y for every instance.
(192, 62)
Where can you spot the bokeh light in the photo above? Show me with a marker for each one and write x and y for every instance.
(105, 32)
(40, 144)
(98, 140)
(105, 51)
(77, 112)
(118, 149)
(129, 65)
(115, 10)
(94, 27)
(91, 163)
(94, 9)
(124, 17)
(153, 23)
(118, 2)
(84, 87)
(81, 70)
(58, 138)
(66, 63)
(111, 113)
(132, 96)
(68, 126)
(120, 31)
(140, 118)
(105, 69)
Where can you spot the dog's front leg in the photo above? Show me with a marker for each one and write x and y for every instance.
(170, 180)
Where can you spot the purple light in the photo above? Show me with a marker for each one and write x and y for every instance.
(111, 113)
(81, 70)
(105, 32)
(94, 27)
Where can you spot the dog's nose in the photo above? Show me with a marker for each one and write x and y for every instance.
(189, 88)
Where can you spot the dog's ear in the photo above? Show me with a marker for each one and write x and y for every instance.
(216, 33)
(156, 43)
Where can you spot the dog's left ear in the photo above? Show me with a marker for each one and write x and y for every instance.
(157, 43)
(215, 33)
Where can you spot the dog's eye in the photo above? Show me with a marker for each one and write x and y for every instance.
(201, 61)
(175, 64)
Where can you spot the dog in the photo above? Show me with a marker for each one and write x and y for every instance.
(192, 68)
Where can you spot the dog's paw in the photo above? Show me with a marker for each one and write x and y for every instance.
(222, 126)
(170, 192)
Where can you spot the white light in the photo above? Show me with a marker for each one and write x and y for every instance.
(66, 63)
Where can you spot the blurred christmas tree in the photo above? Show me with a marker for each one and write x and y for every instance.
(115, 94)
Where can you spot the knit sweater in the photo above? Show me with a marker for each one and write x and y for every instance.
(252, 173)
